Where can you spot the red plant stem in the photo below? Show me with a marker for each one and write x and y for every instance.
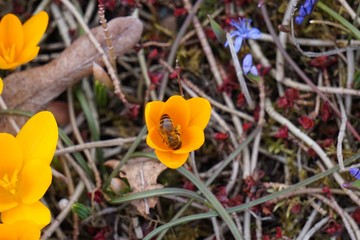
(300, 72)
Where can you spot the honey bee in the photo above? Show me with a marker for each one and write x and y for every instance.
(169, 133)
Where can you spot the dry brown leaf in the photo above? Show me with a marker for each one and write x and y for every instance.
(142, 174)
(101, 75)
(31, 90)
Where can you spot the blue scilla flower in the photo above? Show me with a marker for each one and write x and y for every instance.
(355, 172)
(305, 9)
(248, 66)
(243, 31)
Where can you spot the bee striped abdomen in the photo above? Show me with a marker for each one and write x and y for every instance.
(169, 132)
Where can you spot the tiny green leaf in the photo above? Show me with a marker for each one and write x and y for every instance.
(219, 32)
(356, 184)
(81, 210)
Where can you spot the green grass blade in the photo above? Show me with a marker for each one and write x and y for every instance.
(226, 162)
(213, 201)
(339, 18)
(252, 203)
(156, 193)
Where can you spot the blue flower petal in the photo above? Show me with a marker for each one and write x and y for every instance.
(254, 71)
(237, 44)
(299, 20)
(243, 30)
(254, 33)
(355, 172)
(247, 63)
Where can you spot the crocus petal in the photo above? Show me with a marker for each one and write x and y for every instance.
(172, 160)
(192, 139)
(37, 212)
(7, 200)
(172, 106)
(1, 85)
(11, 160)
(11, 34)
(38, 137)
(155, 141)
(27, 55)
(26, 230)
(35, 179)
(8, 232)
(34, 28)
(21, 230)
(152, 113)
(11, 157)
(3, 63)
(200, 112)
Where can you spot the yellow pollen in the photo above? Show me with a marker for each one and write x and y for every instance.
(9, 184)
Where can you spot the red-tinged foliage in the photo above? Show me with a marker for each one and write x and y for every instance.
(292, 94)
(188, 185)
(284, 102)
(133, 111)
(282, 133)
(256, 113)
(266, 237)
(327, 191)
(288, 100)
(180, 12)
(210, 33)
(249, 185)
(155, 77)
(278, 232)
(109, 4)
(221, 136)
(153, 54)
(356, 215)
(130, 3)
(241, 3)
(246, 126)
(325, 112)
(96, 196)
(240, 100)
(296, 208)
(100, 234)
(267, 209)
(263, 71)
(306, 122)
(333, 228)
(221, 195)
(311, 153)
(228, 86)
(235, 201)
(325, 143)
(173, 74)
(322, 62)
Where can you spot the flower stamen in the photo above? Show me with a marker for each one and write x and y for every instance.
(10, 184)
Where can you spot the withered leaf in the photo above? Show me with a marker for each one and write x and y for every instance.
(32, 89)
(142, 174)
